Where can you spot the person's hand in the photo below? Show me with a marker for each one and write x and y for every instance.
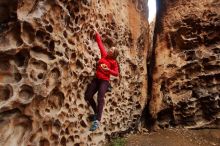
(104, 67)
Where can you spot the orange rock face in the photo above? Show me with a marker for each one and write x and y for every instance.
(48, 56)
(186, 78)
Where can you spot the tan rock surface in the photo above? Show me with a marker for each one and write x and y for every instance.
(48, 56)
(186, 78)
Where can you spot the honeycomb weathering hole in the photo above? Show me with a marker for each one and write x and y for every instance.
(21, 57)
(42, 53)
(55, 73)
(49, 28)
(4, 65)
(41, 35)
(17, 77)
(37, 70)
(28, 33)
(26, 92)
(5, 92)
(51, 45)
(44, 142)
(56, 100)
(40, 76)
(79, 64)
(63, 141)
(37, 64)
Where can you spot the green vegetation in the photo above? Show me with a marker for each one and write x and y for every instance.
(118, 142)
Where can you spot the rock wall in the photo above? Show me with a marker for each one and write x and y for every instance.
(186, 78)
(48, 56)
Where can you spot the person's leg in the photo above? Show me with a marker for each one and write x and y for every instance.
(103, 86)
(90, 91)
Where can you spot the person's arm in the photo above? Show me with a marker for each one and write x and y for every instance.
(101, 46)
(114, 71)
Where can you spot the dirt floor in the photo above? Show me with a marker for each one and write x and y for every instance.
(176, 137)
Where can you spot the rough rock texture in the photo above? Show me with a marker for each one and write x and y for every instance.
(48, 56)
(186, 78)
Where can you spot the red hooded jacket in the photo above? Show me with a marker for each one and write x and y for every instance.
(111, 63)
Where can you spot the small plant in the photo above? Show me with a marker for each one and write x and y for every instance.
(118, 142)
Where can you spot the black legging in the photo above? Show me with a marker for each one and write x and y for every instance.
(101, 86)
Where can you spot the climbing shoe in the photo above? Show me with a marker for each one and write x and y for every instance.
(94, 126)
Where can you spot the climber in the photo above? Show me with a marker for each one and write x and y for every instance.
(106, 66)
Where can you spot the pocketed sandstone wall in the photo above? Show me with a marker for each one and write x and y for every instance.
(48, 56)
(186, 79)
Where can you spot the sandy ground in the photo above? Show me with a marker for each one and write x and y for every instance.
(176, 137)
